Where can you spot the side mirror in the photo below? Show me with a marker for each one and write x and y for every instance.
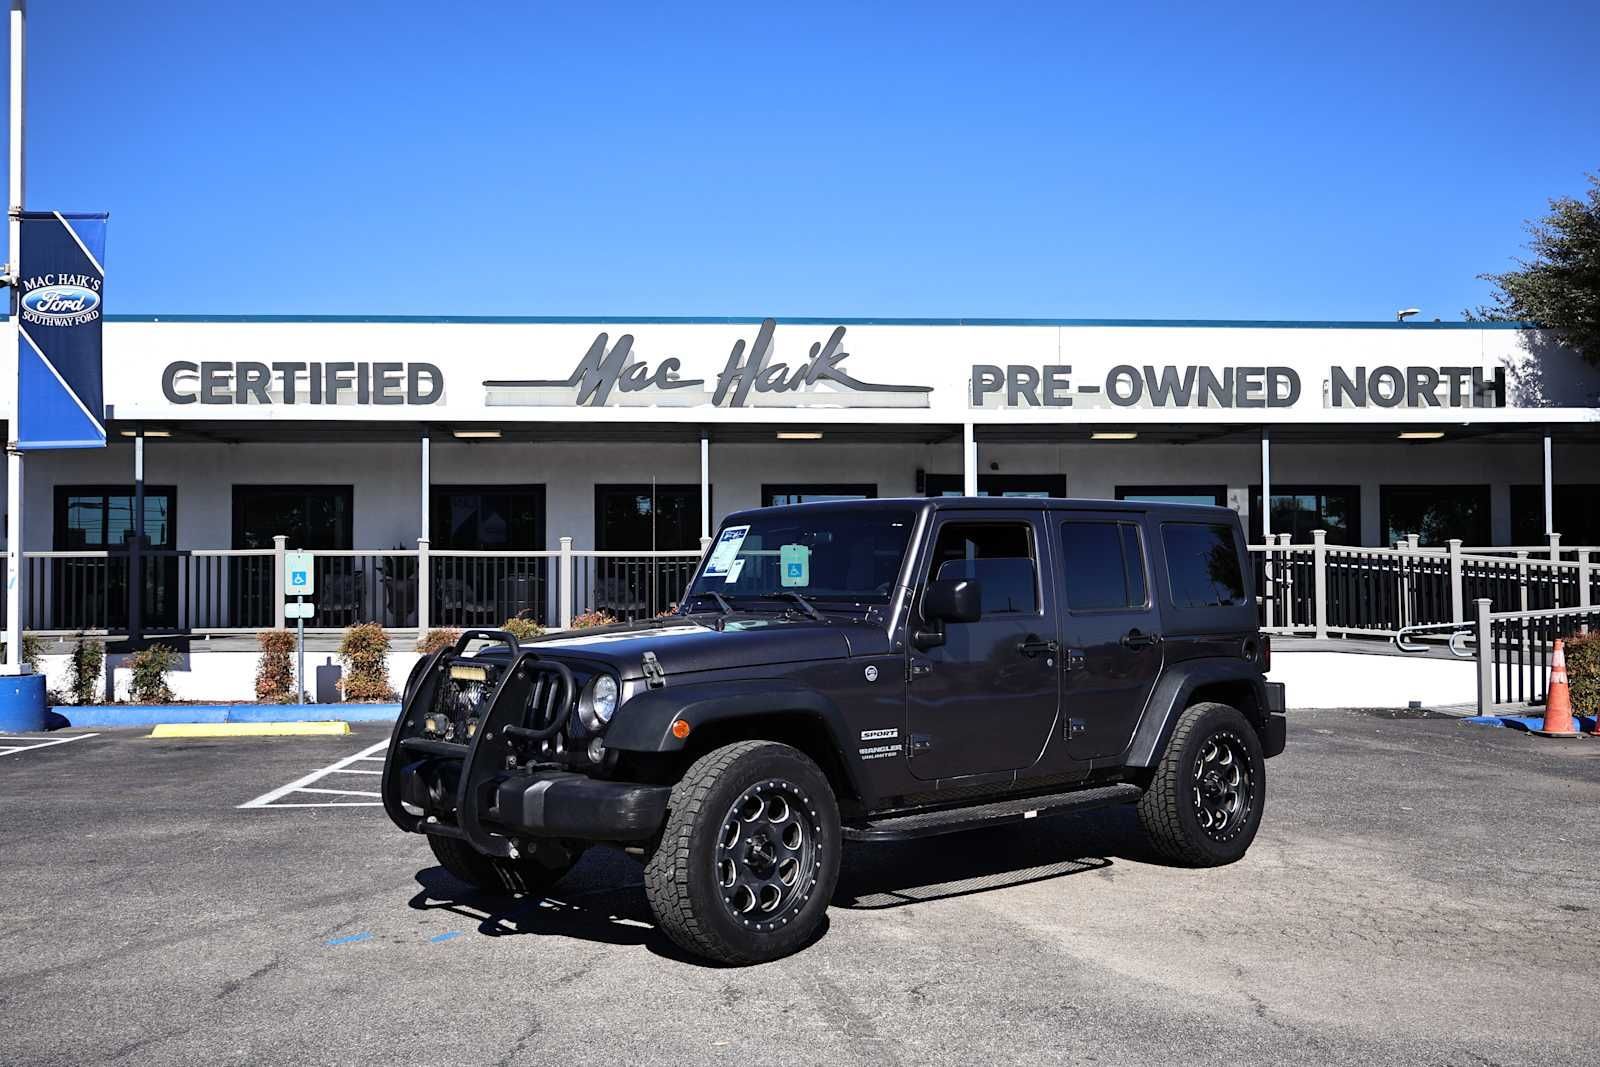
(953, 600)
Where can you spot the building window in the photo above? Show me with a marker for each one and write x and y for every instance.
(775, 495)
(998, 555)
(486, 518)
(645, 518)
(89, 593)
(1299, 509)
(310, 516)
(1001, 485)
(1577, 514)
(1202, 565)
(101, 517)
(1102, 566)
(1174, 494)
(1437, 513)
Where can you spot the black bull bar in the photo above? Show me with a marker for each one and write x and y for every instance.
(488, 791)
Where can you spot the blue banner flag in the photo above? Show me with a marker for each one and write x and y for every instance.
(60, 296)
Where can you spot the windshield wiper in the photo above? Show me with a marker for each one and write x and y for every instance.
(723, 606)
(796, 598)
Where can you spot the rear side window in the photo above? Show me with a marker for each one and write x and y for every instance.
(1102, 566)
(1202, 565)
(999, 556)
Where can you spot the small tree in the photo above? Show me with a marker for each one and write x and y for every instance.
(364, 654)
(150, 667)
(275, 669)
(83, 669)
(437, 638)
(593, 617)
(1559, 288)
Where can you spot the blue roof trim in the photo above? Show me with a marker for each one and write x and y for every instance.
(673, 320)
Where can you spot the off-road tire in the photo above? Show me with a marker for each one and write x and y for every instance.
(1169, 812)
(682, 879)
(525, 876)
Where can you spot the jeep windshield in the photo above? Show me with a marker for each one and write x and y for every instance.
(825, 556)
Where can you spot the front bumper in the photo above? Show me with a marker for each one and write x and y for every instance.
(547, 803)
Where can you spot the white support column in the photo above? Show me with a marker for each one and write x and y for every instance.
(1458, 602)
(1266, 487)
(969, 461)
(424, 585)
(8, 362)
(280, 545)
(1549, 492)
(705, 486)
(564, 582)
(1319, 582)
(427, 486)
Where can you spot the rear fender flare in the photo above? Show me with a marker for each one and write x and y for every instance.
(1172, 695)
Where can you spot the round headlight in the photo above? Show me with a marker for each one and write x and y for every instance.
(602, 702)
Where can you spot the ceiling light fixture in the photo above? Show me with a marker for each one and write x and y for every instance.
(1421, 435)
(799, 435)
(473, 435)
(1109, 435)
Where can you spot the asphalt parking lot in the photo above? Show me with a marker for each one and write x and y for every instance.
(1422, 892)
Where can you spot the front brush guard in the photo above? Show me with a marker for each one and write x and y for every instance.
(526, 682)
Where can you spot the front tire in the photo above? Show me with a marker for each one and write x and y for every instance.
(749, 855)
(1204, 802)
(525, 876)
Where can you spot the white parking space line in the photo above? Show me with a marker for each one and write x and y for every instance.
(29, 744)
(293, 795)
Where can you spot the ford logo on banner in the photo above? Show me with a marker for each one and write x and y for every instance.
(60, 303)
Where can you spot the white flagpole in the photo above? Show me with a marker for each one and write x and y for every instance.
(8, 361)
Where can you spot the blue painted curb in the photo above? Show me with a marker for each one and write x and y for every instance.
(114, 715)
(22, 703)
(1527, 723)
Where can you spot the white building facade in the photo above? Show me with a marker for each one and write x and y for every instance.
(439, 464)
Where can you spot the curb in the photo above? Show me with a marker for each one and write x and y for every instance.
(1532, 724)
(250, 729)
(115, 715)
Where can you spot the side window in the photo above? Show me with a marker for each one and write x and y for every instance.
(999, 555)
(1202, 565)
(1102, 566)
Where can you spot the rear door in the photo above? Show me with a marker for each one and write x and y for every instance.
(986, 699)
(1111, 628)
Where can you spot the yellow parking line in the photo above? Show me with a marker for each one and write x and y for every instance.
(250, 729)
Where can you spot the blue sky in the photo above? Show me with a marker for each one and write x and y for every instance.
(984, 160)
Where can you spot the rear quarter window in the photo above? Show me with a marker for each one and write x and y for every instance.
(1203, 565)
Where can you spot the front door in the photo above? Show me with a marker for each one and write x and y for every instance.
(985, 700)
(1110, 628)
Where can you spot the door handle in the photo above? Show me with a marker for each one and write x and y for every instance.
(1032, 645)
(1136, 640)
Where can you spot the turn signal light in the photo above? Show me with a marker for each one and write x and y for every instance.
(680, 729)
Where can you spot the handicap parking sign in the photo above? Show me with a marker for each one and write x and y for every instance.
(298, 577)
(794, 563)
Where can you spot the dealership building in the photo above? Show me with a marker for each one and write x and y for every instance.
(447, 469)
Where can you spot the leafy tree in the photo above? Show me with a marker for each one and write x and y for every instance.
(1559, 288)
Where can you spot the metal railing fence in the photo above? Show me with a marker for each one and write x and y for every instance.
(221, 591)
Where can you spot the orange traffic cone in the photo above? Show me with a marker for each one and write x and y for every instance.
(1558, 699)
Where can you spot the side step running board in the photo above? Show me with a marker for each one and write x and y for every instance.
(929, 823)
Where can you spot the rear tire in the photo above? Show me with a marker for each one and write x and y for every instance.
(1205, 800)
(525, 876)
(749, 856)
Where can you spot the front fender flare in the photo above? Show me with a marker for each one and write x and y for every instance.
(644, 724)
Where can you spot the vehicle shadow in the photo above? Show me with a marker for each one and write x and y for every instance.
(602, 899)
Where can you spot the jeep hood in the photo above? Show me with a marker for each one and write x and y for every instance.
(684, 647)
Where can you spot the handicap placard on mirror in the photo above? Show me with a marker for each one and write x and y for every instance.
(726, 548)
(794, 565)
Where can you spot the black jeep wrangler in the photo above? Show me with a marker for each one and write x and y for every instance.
(867, 670)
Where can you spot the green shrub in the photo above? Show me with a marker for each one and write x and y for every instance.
(275, 669)
(150, 667)
(593, 617)
(437, 638)
(364, 654)
(522, 629)
(83, 669)
(1583, 672)
(32, 652)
